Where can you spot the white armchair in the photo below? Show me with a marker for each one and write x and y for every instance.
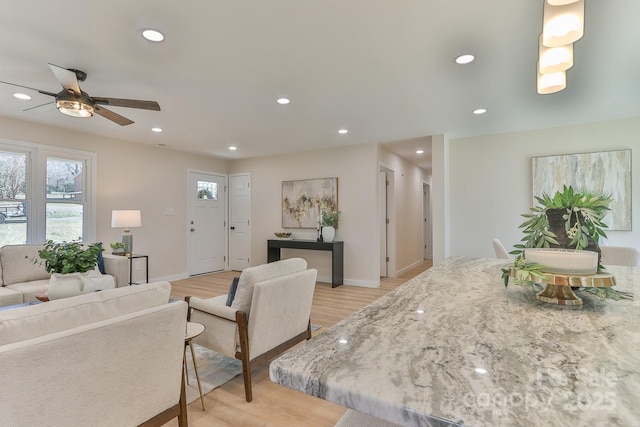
(269, 314)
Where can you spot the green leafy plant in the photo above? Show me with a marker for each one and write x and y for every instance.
(117, 245)
(330, 219)
(582, 212)
(69, 257)
(523, 272)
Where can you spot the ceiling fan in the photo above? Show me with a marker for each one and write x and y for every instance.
(72, 101)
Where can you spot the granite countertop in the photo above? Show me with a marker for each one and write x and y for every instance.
(453, 346)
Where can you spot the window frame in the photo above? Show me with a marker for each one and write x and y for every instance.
(36, 176)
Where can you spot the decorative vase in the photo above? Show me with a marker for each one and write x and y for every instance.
(328, 233)
(557, 226)
(66, 285)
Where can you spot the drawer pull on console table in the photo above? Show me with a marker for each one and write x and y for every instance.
(336, 249)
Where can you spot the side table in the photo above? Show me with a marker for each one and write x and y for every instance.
(193, 330)
(138, 256)
(42, 296)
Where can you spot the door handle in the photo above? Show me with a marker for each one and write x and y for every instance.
(233, 228)
(193, 229)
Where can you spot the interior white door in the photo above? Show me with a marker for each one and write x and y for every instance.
(239, 221)
(426, 223)
(382, 214)
(207, 229)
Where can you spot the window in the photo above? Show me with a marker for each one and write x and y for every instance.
(13, 198)
(64, 200)
(207, 190)
(45, 193)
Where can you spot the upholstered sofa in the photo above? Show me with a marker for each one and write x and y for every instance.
(268, 314)
(109, 358)
(21, 279)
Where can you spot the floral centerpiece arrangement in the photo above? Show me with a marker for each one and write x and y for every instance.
(570, 219)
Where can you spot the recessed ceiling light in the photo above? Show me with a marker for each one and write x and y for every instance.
(233, 148)
(156, 129)
(478, 111)
(22, 96)
(419, 151)
(465, 58)
(152, 35)
(283, 101)
(343, 131)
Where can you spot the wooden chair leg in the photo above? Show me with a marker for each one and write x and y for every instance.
(246, 373)
(309, 330)
(182, 418)
(243, 354)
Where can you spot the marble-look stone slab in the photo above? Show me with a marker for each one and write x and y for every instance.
(454, 346)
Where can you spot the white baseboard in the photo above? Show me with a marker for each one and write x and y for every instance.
(409, 267)
(349, 282)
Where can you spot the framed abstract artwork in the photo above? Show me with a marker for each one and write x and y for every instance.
(607, 172)
(303, 200)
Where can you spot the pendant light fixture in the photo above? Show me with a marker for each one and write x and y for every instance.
(554, 59)
(552, 82)
(562, 24)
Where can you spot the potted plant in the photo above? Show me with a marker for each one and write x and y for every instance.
(329, 224)
(70, 264)
(570, 219)
(118, 248)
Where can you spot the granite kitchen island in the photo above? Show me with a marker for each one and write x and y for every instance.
(453, 346)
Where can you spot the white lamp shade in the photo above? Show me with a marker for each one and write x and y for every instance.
(126, 219)
(562, 25)
(552, 82)
(554, 59)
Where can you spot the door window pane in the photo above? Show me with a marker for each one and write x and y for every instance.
(207, 190)
(13, 204)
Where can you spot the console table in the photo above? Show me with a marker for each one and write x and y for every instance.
(336, 249)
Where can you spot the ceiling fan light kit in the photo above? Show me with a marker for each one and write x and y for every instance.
(72, 101)
(562, 25)
(74, 105)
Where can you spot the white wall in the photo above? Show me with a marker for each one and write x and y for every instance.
(407, 212)
(356, 169)
(133, 176)
(490, 180)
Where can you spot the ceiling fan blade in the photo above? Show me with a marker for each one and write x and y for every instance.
(131, 103)
(41, 107)
(32, 88)
(67, 79)
(114, 117)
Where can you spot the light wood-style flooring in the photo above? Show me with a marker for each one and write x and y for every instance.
(275, 405)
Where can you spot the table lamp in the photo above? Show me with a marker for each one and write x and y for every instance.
(126, 219)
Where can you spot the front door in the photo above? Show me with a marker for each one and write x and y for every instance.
(206, 228)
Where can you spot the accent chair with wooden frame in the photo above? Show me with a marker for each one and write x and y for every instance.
(269, 314)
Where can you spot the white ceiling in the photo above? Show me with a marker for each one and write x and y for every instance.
(383, 69)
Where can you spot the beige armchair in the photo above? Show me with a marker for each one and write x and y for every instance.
(269, 314)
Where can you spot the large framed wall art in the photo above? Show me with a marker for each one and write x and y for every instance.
(607, 172)
(303, 200)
